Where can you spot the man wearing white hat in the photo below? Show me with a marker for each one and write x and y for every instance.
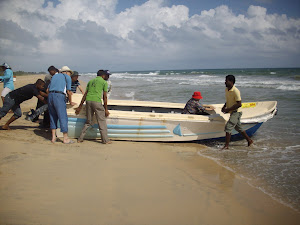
(8, 84)
(60, 86)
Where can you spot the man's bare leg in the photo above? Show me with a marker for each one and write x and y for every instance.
(249, 140)
(53, 131)
(6, 126)
(227, 140)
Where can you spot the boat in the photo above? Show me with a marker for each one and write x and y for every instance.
(163, 121)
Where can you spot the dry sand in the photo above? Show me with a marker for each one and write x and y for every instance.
(121, 183)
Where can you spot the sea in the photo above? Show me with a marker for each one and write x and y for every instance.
(273, 164)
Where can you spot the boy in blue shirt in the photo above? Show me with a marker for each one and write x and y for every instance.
(7, 78)
(75, 82)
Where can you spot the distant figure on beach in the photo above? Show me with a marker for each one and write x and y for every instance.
(60, 85)
(109, 86)
(232, 106)
(75, 83)
(16, 97)
(41, 107)
(95, 90)
(7, 78)
(193, 106)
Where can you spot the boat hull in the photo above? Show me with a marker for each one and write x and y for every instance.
(157, 131)
(163, 121)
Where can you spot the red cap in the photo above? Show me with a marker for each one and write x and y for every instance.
(197, 95)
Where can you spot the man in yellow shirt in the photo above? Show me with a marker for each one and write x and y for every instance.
(232, 106)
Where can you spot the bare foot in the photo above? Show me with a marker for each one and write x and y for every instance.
(5, 127)
(250, 143)
(107, 143)
(69, 141)
(53, 140)
(225, 147)
(78, 141)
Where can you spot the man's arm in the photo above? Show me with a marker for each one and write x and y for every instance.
(44, 94)
(77, 110)
(42, 99)
(223, 108)
(237, 105)
(68, 87)
(209, 107)
(7, 74)
(105, 103)
(80, 88)
(70, 97)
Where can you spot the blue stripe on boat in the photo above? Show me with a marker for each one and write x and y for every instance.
(72, 119)
(115, 131)
(116, 126)
(138, 136)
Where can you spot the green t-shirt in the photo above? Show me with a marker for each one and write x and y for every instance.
(95, 88)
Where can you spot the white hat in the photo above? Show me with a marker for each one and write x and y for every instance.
(6, 65)
(65, 69)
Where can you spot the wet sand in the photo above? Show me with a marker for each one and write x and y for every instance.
(121, 183)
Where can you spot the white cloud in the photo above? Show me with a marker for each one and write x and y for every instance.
(145, 36)
(53, 46)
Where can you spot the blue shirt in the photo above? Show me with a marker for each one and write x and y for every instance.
(8, 79)
(60, 82)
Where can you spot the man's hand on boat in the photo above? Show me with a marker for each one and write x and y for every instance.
(73, 103)
(209, 107)
(106, 113)
(77, 110)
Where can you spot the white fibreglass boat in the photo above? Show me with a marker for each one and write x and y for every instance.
(163, 121)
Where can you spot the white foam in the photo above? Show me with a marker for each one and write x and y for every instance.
(289, 87)
(130, 94)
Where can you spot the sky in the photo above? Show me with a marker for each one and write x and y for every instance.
(131, 35)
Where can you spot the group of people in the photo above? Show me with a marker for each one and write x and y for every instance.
(51, 94)
(58, 84)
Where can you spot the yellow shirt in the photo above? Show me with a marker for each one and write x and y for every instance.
(232, 96)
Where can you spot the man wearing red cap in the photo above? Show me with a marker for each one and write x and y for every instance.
(193, 106)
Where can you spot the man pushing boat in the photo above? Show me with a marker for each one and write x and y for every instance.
(95, 90)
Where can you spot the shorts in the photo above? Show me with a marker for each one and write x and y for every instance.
(5, 91)
(234, 122)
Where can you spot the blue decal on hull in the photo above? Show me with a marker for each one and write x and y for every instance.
(177, 130)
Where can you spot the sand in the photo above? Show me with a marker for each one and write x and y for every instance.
(121, 183)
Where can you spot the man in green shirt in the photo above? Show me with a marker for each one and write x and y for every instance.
(95, 90)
